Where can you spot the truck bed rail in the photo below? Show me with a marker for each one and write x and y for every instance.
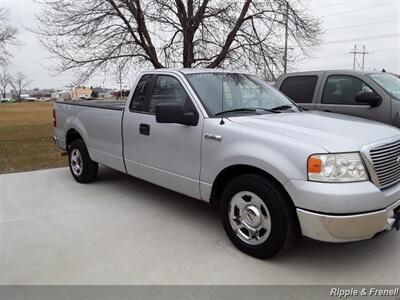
(113, 105)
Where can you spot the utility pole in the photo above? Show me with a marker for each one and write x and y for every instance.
(120, 83)
(359, 63)
(354, 52)
(364, 52)
(285, 55)
(104, 80)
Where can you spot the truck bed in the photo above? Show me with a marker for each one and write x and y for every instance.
(98, 123)
(114, 105)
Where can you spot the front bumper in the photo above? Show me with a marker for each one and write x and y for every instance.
(347, 228)
(341, 198)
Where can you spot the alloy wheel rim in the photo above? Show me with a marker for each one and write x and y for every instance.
(76, 162)
(249, 218)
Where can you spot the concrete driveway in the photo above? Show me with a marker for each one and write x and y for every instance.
(120, 230)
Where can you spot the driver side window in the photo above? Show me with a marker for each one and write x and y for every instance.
(168, 89)
(138, 103)
(342, 89)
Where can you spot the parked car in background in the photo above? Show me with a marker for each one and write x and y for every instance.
(370, 95)
(7, 100)
(230, 139)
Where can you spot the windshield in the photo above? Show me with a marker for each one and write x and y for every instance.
(389, 82)
(237, 94)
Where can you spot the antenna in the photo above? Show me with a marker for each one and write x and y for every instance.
(222, 97)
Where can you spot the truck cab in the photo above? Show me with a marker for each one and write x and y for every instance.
(369, 95)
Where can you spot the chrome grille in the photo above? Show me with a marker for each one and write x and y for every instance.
(386, 163)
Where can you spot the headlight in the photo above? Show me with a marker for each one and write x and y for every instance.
(346, 167)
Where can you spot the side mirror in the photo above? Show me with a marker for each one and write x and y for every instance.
(174, 113)
(370, 98)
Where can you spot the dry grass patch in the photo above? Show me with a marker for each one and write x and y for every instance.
(25, 138)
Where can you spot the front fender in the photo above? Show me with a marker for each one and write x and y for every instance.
(282, 157)
(276, 163)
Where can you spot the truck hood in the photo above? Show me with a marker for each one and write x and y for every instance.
(333, 132)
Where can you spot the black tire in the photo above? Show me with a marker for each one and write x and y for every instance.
(284, 225)
(89, 168)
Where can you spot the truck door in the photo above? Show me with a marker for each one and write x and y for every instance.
(130, 125)
(339, 96)
(168, 154)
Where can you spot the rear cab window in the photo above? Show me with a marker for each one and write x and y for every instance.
(300, 89)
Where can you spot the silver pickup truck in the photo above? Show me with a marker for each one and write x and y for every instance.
(275, 170)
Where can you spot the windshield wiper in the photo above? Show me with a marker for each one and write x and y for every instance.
(236, 110)
(275, 110)
(286, 107)
(282, 107)
(269, 110)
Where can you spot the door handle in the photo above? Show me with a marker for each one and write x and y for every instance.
(327, 110)
(144, 129)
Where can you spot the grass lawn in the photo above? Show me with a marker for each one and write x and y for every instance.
(26, 138)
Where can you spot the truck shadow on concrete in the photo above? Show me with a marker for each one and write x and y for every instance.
(305, 253)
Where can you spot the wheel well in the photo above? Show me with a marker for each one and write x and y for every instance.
(231, 172)
(72, 135)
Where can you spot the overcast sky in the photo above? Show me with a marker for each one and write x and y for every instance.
(373, 23)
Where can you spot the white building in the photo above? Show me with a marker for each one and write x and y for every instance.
(61, 96)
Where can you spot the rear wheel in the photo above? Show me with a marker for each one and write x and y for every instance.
(257, 216)
(83, 169)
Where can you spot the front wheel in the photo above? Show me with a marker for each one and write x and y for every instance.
(83, 169)
(257, 216)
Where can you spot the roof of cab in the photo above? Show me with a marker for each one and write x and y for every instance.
(341, 71)
(194, 70)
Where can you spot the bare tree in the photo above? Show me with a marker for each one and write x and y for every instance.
(96, 35)
(5, 81)
(19, 83)
(8, 36)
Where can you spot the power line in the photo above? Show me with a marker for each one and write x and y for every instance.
(367, 38)
(361, 25)
(357, 10)
(330, 5)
